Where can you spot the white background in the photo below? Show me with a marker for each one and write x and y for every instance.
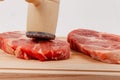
(100, 15)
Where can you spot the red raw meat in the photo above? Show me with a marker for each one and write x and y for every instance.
(101, 46)
(18, 44)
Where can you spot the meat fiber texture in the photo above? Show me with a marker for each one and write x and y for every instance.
(101, 46)
(16, 43)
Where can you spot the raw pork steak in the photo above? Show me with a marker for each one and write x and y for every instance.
(18, 44)
(100, 46)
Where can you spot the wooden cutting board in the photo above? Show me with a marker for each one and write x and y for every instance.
(79, 66)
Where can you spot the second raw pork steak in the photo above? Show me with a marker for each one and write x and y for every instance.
(100, 46)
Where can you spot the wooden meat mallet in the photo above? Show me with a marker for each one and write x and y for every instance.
(42, 19)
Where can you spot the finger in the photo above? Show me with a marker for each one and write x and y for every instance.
(31, 1)
(35, 2)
